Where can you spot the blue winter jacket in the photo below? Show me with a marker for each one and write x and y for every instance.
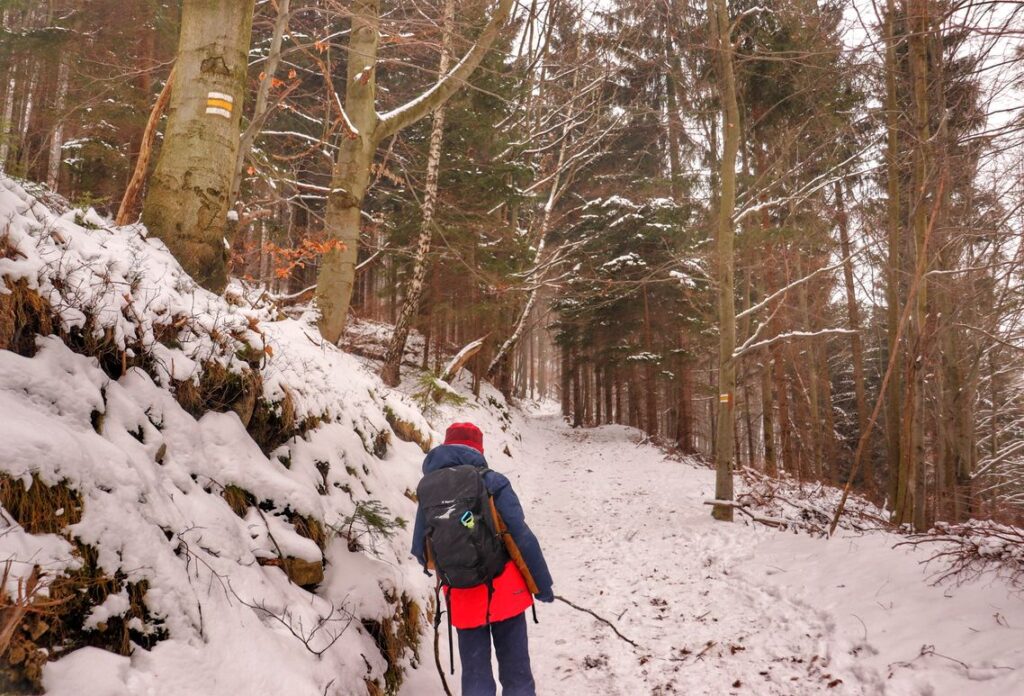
(507, 504)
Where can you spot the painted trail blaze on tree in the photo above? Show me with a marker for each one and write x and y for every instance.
(190, 190)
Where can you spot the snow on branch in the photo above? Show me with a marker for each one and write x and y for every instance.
(456, 364)
(828, 178)
(795, 284)
(747, 13)
(412, 111)
(350, 128)
(743, 350)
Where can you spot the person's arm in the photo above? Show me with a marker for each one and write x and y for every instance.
(418, 547)
(507, 503)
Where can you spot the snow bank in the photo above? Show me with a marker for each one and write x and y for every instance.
(113, 285)
(182, 507)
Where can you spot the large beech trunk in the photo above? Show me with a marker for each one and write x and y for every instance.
(189, 193)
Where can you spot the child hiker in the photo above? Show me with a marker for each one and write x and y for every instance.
(471, 531)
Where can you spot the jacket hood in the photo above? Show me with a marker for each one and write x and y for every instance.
(445, 456)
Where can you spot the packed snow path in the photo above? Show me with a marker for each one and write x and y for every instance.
(729, 608)
(628, 537)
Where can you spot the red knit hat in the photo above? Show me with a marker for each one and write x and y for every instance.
(465, 434)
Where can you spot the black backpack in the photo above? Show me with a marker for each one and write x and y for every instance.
(461, 537)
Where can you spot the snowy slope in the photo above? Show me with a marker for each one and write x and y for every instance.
(182, 504)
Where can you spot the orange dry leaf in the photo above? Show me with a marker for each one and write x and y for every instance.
(288, 259)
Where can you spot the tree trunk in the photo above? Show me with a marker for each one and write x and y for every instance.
(813, 430)
(782, 396)
(893, 416)
(910, 503)
(609, 381)
(5, 120)
(719, 15)
(566, 394)
(391, 369)
(745, 331)
(650, 373)
(771, 466)
(828, 428)
(25, 153)
(577, 391)
(620, 417)
(351, 175)
(261, 108)
(856, 346)
(57, 139)
(189, 193)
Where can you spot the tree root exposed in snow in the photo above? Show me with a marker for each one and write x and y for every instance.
(603, 620)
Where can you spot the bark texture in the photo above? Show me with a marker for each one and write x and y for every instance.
(189, 193)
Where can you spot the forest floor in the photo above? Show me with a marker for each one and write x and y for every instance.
(720, 608)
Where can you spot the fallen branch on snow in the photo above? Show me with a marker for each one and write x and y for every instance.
(603, 620)
(774, 522)
(969, 550)
(804, 508)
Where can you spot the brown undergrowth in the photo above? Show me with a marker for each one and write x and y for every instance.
(45, 617)
(395, 637)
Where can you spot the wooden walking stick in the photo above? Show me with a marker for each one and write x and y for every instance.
(437, 623)
(513, 551)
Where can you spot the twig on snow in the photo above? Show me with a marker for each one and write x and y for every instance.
(600, 618)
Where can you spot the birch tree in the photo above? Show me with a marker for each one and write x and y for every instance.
(57, 139)
(391, 369)
(574, 152)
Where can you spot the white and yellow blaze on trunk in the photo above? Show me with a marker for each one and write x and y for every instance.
(220, 104)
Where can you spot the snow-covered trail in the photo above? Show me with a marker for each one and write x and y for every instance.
(734, 609)
(627, 536)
